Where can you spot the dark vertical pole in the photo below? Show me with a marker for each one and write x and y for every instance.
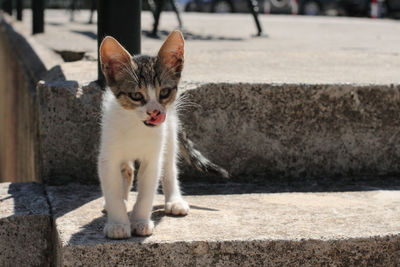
(122, 21)
(7, 6)
(37, 16)
(253, 6)
(19, 10)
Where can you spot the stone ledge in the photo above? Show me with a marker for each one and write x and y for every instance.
(276, 130)
(25, 225)
(350, 228)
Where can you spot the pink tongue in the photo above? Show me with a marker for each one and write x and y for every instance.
(159, 119)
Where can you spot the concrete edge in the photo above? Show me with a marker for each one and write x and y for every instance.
(239, 230)
(26, 217)
(345, 119)
(373, 251)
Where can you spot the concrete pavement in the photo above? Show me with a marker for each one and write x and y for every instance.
(219, 48)
(283, 229)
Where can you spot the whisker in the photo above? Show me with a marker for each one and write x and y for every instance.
(183, 103)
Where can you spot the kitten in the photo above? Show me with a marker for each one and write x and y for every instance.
(140, 122)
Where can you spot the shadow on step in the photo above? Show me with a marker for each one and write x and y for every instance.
(280, 185)
(84, 203)
(163, 34)
(191, 36)
(92, 232)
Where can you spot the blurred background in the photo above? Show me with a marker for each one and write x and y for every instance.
(389, 8)
(360, 8)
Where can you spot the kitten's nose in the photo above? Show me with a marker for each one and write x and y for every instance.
(154, 113)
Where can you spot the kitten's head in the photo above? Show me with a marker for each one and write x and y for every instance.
(146, 85)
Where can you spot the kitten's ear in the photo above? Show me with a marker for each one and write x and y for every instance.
(114, 59)
(171, 52)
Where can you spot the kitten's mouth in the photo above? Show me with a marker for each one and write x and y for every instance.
(155, 120)
(149, 124)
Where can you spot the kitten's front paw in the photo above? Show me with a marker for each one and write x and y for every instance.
(117, 230)
(177, 207)
(142, 227)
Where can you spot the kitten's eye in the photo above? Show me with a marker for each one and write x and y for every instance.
(136, 96)
(165, 92)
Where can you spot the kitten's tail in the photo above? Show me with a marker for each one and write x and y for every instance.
(196, 159)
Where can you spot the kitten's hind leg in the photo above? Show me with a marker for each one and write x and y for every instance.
(127, 170)
(174, 203)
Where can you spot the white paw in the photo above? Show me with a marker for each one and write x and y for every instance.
(117, 230)
(177, 207)
(142, 227)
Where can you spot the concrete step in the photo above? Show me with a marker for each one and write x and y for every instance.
(25, 225)
(253, 130)
(290, 229)
(259, 229)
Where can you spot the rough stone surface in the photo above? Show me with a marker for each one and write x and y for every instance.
(25, 225)
(253, 130)
(297, 130)
(296, 229)
(69, 127)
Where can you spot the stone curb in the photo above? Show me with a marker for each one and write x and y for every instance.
(290, 229)
(256, 131)
(296, 229)
(25, 225)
